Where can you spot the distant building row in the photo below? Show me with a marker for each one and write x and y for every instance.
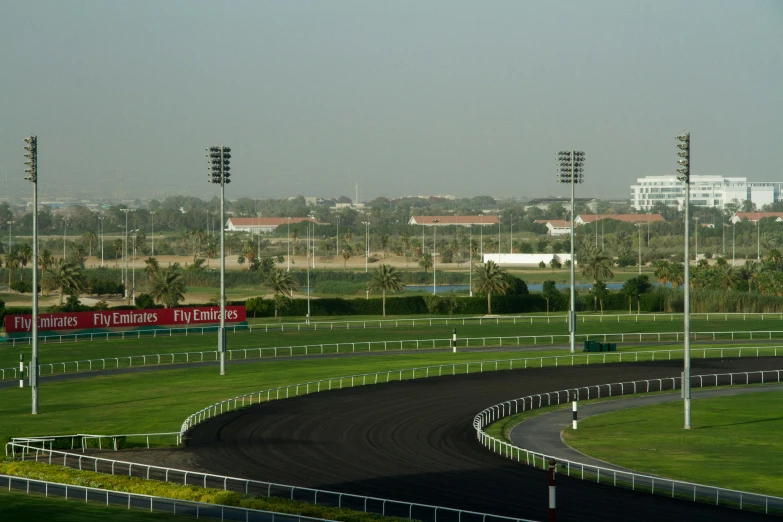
(559, 227)
(706, 191)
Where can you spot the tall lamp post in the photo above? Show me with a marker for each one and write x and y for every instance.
(499, 216)
(470, 256)
(696, 240)
(685, 176)
(758, 237)
(570, 163)
(125, 255)
(31, 153)
(366, 243)
(434, 251)
(219, 173)
(152, 232)
(288, 221)
(9, 235)
(133, 269)
(100, 219)
(307, 259)
(65, 230)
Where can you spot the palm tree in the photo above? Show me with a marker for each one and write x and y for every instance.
(45, 260)
(117, 244)
(662, 271)
(151, 267)
(426, 261)
(168, 287)
(280, 282)
(65, 277)
(89, 238)
(596, 265)
(489, 279)
(25, 254)
(676, 274)
(383, 278)
(11, 264)
(240, 260)
(346, 253)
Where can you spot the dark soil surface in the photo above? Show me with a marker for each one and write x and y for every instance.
(414, 441)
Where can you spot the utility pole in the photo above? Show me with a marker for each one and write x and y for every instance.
(219, 173)
(125, 255)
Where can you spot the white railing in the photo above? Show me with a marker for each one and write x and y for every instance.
(26, 447)
(146, 502)
(381, 506)
(46, 337)
(295, 390)
(129, 361)
(629, 479)
(118, 441)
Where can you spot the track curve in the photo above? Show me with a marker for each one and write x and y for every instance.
(414, 441)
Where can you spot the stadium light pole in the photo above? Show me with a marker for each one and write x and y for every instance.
(570, 163)
(125, 255)
(307, 259)
(219, 173)
(31, 153)
(434, 251)
(470, 256)
(685, 176)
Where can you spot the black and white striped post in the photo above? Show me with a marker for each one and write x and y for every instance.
(21, 370)
(454, 341)
(552, 467)
(573, 409)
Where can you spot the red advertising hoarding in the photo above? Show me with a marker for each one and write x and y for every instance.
(125, 318)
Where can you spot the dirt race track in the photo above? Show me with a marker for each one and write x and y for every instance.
(414, 441)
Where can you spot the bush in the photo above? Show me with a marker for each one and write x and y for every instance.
(145, 301)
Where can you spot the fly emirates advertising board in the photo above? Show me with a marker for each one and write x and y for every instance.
(128, 319)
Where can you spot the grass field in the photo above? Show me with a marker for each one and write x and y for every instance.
(160, 401)
(19, 506)
(51, 352)
(735, 442)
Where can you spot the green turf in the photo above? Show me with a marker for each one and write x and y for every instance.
(20, 506)
(82, 350)
(735, 442)
(160, 401)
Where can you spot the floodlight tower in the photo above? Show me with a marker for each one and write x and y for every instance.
(685, 176)
(570, 163)
(31, 153)
(219, 174)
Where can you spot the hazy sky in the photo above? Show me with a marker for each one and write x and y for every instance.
(405, 97)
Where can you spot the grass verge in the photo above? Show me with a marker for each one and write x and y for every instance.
(52, 473)
(734, 442)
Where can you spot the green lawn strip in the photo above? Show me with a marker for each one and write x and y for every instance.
(83, 350)
(20, 506)
(735, 442)
(59, 474)
(159, 401)
(154, 402)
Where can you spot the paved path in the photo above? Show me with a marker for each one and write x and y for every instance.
(542, 433)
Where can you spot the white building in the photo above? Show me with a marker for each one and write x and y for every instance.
(706, 191)
(262, 224)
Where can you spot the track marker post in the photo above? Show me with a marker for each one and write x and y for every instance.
(573, 409)
(21, 370)
(454, 341)
(552, 468)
